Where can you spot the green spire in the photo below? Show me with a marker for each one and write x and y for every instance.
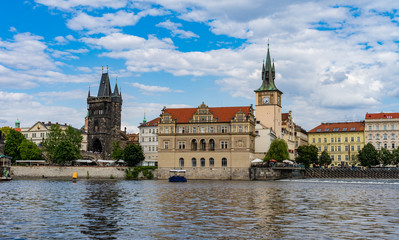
(268, 74)
(144, 120)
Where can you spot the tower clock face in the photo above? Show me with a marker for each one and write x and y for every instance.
(266, 100)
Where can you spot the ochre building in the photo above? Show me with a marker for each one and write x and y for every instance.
(342, 141)
(207, 142)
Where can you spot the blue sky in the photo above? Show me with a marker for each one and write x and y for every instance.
(334, 61)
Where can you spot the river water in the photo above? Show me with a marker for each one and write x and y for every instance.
(116, 209)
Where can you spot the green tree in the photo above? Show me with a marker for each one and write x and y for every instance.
(278, 151)
(307, 155)
(50, 144)
(56, 136)
(117, 151)
(385, 157)
(6, 130)
(30, 151)
(133, 154)
(324, 158)
(395, 155)
(368, 156)
(13, 141)
(65, 151)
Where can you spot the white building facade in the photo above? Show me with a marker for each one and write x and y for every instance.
(382, 130)
(148, 139)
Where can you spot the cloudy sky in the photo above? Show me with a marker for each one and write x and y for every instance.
(334, 61)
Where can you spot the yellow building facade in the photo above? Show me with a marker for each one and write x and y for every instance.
(342, 141)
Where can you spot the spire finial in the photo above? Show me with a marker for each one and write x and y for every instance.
(267, 43)
(107, 68)
(102, 69)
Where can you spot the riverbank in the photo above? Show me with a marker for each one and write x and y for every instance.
(65, 172)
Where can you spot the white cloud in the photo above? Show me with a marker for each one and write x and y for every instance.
(12, 29)
(70, 4)
(153, 89)
(174, 28)
(61, 40)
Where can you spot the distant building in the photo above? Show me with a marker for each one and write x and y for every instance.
(104, 118)
(207, 142)
(148, 138)
(264, 136)
(288, 133)
(382, 130)
(40, 130)
(301, 138)
(133, 138)
(342, 141)
(17, 126)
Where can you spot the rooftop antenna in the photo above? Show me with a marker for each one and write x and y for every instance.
(102, 69)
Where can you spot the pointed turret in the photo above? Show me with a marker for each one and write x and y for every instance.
(105, 87)
(88, 95)
(116, 92)
(144, 120)
(268, 74)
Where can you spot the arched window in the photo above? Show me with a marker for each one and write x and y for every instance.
(95, 126)
(202, 162)
(97, 146)
(194, 145)
(194, 162)
(211, 145)
(211, 162)
(181, 162)
(203, 144)
(224, 162)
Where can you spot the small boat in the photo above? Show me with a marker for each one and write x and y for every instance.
(177, 175)
(5, 167)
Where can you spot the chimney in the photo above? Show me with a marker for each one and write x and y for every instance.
(49, 123)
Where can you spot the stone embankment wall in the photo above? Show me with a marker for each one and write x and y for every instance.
(65, 172)
(351, 173)
(214, 173)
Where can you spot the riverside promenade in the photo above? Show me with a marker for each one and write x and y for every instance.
(382, 173)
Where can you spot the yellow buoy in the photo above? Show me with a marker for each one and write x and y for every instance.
(75, 175)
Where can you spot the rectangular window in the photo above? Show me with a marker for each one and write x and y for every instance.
(202, 129)
(182, 145)
(240, 128)
(352, 139)
(194, 129)
(369, 127)
(33, 135)
(332, 157)
(26, 135)
(166, 145)
(339, 139)
(385, 127)
(332, 148)
(211, 129)
(166, 130)
(42, 135)
(352, 148)
(325, 140)
(358, 139)
(339, 157)
(319, 140)
(346, 157)
(319, 149)
(393, 145)
(339, 148)
(377, 127)
(223, 145)
(313, 140)
(332, 139)
(392, 127)
(346, 139)
(370, 137)
(325, 148)
(346, 148)
(358, 147)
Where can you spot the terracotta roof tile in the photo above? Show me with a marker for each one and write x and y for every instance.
(381, 115)
(224, 114)
(339, 127)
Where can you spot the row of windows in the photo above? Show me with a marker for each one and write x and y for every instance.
(203, 145)
(338, 139)
(340, 158)
(385, 136)
(154, 130)
(42, 135)
(150, 139)
(205, 129)
(211, 162)
(384, 127)
(151, 148)
(338, 148)
(385, 145)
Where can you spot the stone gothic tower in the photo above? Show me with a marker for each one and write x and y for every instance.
(268, 98)
(104, 118)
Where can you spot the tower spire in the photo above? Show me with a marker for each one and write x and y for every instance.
(268, 73)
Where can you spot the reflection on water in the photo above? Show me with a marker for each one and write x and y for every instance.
(302, 209)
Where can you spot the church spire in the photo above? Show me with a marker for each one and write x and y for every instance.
(105, 87)
(268, 74)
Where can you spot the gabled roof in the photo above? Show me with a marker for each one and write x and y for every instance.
(152, 123)
(223, 114)
(381, 115)
(339, 127)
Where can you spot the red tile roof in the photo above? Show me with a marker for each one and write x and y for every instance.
(224, 114)
(381, 115)
(339, 127)
(284, 116)
(152, 123)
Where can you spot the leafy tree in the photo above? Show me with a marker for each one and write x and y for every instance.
(133, 154)
(395, 156)
(325, 159)
(278, 151)
(30, 151)
(65, 151)
(56, 137)
(6, 130)
(117, 151)
(368, 155)
(307, 155)
(385, 157)
(13, 141)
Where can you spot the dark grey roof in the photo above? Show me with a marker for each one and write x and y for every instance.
(105, 87)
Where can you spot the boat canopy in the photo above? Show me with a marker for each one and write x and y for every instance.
(177, 171)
